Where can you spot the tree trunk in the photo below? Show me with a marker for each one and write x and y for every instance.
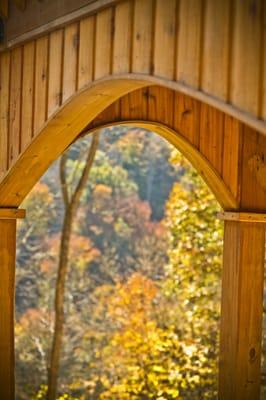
(71, 208)
(59, 306)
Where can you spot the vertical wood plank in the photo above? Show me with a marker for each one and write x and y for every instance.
(142, 36)
(242, 302)
(70, 63)
(7, 289)
(40, 85)
(160, 105)
(246, 55)
(4, 110)
(165, 38)
(122, 38)
(103, 43)
(216, 45)
(55, 72)
(211, 135)
(15, 104)
(186, 117)
(263, 66)
(189, 42)
(253, 181)
(231, 154)
(135, 105)
(27, 94)
(86, 50)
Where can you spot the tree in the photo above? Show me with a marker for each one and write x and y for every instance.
(71, 203)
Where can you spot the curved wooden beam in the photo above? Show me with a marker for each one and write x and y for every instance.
(65, 125)
(57, 134)
(199, 162)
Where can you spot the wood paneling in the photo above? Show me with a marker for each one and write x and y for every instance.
(122, 37)
(216, 47)
(247, 47)
(4, 111)
(143, 36)
(40, 84)
(165, 38)
(210, 50)
(70, 61)
(103, 44)
(189, 42)
(55, 71)
(86, 49)
(7, 283)
(242, 300)
(27, 94)
(207, 59)
(15, 104)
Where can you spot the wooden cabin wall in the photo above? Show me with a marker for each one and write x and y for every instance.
(210, 49)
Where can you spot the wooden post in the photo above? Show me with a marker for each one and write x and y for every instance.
(7, 287)
(242, 306)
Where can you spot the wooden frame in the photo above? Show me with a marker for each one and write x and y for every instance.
(135, 62)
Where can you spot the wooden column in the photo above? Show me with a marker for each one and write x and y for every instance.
(242, 306)
(7, 288)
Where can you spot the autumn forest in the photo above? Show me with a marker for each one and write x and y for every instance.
(118, 275)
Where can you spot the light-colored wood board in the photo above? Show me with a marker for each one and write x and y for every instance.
(187, 117)
(122, 37)
(27, 94)
(54, 98)
(142, 36)
(165, 38)
(243, 217)
(86, 51)
(103, 43)
(253, 191)
(70, 61)
(12, 213)
(15, 104)
(189, 42)
(242, 306)
(211, 135)
(263, 67)
(40, 84)
(4, 110)
(231, 154)
(7, 295)
(160, 105)
(216, 47)
(246, 56)
(135, 105)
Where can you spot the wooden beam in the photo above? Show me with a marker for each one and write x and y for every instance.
(243, 217)
(7, 288)
(12, 213)
(242, 309)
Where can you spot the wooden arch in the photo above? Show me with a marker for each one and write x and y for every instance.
(194, 71)
(93, 104)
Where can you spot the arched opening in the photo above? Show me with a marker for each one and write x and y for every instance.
(216, 146)
(135, 285)
(81, 110)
